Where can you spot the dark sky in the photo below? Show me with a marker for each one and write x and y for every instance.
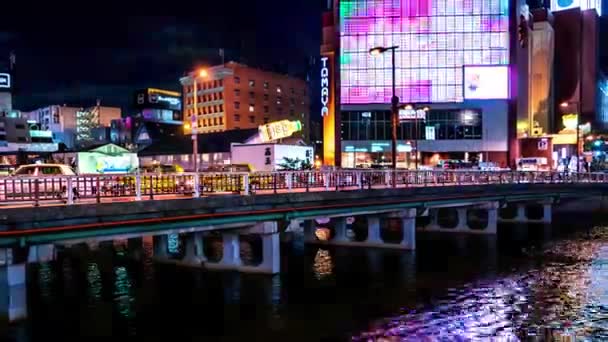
(74, 55)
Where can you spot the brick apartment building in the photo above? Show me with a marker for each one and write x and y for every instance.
(235, 96)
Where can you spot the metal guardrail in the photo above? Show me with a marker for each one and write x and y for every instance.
(155, 186)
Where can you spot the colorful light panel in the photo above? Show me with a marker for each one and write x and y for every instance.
(436, 39)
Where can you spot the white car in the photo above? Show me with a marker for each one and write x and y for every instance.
(47, 180)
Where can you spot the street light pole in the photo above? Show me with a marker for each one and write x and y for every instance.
(394, 101)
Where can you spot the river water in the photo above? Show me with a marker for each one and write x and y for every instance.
(528, 283)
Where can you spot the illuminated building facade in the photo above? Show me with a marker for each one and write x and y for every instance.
(158, 105)
(234, 96)
(454, 60)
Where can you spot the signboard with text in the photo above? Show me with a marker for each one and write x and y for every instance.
(5, 81)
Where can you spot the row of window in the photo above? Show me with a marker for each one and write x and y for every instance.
(237, 118)
(447, 125)
(207, 110)
(205, 98)
(205, 85)
(266, 86)
(210, 122)
(279, 100)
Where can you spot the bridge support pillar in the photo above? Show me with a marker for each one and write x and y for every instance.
(492, 226)
(41, 253)
(194, 252)
(13, 301)
(462, 219)
(340, 231)
(521, 213)
(408, 226)
(309, 231)
(161, 246)
(547, 213)
(373, 230)
(231, 257)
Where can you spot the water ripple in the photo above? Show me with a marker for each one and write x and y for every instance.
(565, 298)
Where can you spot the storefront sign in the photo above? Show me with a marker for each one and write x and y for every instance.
(412, 114)
(279, 130)
(5, 80)
(324, 86)
(429, 132)
(542, 145)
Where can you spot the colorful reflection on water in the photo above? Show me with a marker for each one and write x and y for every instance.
(565, 296)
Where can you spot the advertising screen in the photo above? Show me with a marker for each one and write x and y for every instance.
(153, 98)
(560, 5)
(486, 82)
(435, 39)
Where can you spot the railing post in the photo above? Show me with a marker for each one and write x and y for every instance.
(326, 180)
(196, 183)
(70, 189)
(360, 180)
(289, 181)
(98, 185)
(36, 193)
(246, 184)
(337, 181)
(151, 187)
(138, 186)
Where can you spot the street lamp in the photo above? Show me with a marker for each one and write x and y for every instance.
(376, 51)
(578, 128)
(194, 122)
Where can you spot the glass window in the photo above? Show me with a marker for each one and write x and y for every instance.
(237, 117)
(251, 119)
(237, 80)
(251, 83)
(265, 97)
(266, 109)
(279, 89)
(251, 95)
(265, 85)
(50, 170)
(237, 105)
(237, 92)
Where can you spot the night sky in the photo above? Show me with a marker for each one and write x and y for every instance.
(75, 55)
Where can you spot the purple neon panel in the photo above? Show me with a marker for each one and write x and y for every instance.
(436, 39)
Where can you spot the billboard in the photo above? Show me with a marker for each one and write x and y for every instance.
(560, 5)
(486, 82)
(5, 81)
(279, 130)
(435, 39)
(153, 98)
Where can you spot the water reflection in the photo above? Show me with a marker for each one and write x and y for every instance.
(323, 265)
(564, 297)
(94, 283)
(123, 296)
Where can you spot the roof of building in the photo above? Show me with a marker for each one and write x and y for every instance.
(207, 143)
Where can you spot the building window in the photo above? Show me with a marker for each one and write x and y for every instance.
(214, 121)
(20, 126)
(292, 91)
(237, 80)
(266, 109)
(237, 92)
(292, 101)
(266, 120)
(221, 83)
(279, 89)
(266, 97)
(265, 85)
(221, 108)
(292, 112)
(251, 119)
(251, 95)
(221, 120)
(280, 111)
(237, 105)
(279, 100)
(237, 117)
(251, 108)
(251, 83)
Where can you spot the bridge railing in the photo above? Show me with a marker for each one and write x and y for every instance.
(99, 188)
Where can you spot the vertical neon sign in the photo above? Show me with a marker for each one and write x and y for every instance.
(328, 109)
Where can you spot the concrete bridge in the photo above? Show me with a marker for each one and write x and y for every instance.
(31, 234)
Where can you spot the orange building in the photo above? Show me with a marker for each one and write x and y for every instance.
(235, 96)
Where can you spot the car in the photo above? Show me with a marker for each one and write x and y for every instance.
(44, 179)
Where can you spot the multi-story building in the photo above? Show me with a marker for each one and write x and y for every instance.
(65, 121)
(454, 72)
(6, 98)
(235, 96)
(158, 105)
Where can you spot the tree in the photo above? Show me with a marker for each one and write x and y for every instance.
(294, 164)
